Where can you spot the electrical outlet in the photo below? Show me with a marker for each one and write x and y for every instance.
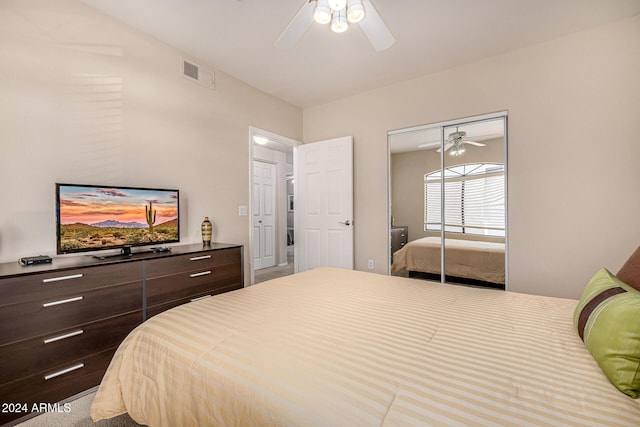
(370, 264)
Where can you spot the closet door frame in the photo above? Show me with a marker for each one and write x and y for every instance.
(442, 126)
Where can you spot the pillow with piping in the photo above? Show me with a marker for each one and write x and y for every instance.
(607, 319)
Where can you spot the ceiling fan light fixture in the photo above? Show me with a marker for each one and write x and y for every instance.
(457, 150)
(355, 11)
(337, 5)
(322, 12)
(339, 24)
(338, 14)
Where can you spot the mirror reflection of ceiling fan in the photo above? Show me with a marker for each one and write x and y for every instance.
(456, 142)
(339, 13)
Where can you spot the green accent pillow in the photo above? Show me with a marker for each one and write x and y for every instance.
(608, 321)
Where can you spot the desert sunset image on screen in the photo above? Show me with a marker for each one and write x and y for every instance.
(102, 217)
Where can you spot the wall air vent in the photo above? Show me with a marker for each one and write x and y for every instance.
(198, 74)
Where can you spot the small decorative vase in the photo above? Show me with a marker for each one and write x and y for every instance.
(207, 231)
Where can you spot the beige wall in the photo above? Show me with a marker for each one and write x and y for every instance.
(573, 152)
(407, 188)
(151, 127)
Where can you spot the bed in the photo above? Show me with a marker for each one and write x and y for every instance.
(332, 347)
(466, 259)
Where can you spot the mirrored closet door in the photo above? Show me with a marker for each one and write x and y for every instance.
(448, 185)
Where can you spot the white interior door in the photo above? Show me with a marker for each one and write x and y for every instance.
(323, 173)
(264, 214)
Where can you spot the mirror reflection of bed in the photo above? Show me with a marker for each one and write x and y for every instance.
(468, 262)
(473, 170)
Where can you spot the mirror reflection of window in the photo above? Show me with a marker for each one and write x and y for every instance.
(475, 195)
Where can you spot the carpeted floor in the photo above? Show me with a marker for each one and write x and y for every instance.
(265, 274)
(78, 416)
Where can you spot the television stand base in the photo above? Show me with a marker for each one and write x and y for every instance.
(124, 252)
(101, 257)
(161, 249)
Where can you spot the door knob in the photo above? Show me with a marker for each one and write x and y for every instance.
(347, 222)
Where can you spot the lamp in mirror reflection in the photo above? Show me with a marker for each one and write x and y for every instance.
(457, 150)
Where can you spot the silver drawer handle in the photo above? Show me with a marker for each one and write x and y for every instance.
(62, 301)
(57, 279)
(198, 258)
(61, 337)
(204, 273)
(64, 371)
(199, 298)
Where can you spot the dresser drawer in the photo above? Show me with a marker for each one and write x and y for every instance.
(194, 282)
(187, 263)
(46, 285)
(39, 354)
(37, 318)
(159, 308)
(55, 385)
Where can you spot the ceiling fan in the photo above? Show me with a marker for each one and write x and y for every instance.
(456, 140)
(337, 12)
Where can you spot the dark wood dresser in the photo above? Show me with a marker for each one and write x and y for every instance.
(61, 323)
(399, 238)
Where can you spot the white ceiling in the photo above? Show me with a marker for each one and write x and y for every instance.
(237, 37)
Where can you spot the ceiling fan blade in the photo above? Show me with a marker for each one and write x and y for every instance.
(374, 28)
(297, 27)
(477, 144)
(446, 146)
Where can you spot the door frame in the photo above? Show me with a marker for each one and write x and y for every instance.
(257, 132)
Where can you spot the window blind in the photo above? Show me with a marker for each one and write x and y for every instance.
(474, 202)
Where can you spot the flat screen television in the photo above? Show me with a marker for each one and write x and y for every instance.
(97, 217)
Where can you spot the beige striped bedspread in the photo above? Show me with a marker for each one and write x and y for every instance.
(333, 347)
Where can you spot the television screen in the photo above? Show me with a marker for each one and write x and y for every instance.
(94, 217)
